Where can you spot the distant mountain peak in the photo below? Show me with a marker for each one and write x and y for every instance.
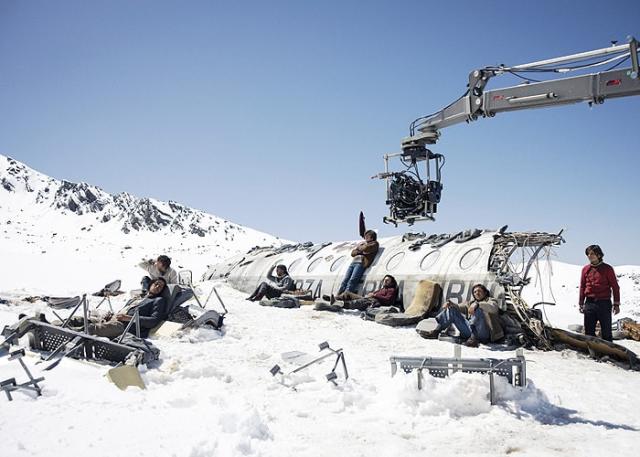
(127, 212)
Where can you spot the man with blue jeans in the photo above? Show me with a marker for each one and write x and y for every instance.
(482, 325)
(363, 256)
(475, 326)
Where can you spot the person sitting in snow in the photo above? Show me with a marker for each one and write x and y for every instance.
(482, 324)
(159, 268)
(387, 295)
(274, 286)
(363, 256)
(152, 311)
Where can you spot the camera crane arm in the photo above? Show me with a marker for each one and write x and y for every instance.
(410, 200)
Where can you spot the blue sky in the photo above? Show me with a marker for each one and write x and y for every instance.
(275, 114)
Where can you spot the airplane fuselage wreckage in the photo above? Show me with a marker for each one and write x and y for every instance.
(499, 259)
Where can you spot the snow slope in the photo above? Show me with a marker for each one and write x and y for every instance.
(211, 393)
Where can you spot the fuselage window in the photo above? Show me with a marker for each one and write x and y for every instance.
(312, 266)
(337, 263)
(470, 258)
(294, 264)
(394, 261)
(429, 260)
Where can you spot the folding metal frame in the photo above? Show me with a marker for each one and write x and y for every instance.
(513, 369)
(11, 385)
(331, 377)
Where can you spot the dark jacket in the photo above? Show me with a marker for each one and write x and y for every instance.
(152, 312)
(386, 296)
(597, 283)
(368, 251)
(282, 283)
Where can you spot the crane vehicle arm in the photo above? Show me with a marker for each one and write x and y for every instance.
(410, 199)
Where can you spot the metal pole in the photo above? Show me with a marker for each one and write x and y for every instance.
(65, 323)
(131, 322)
(86, 313)
(208, 297)
(220, 300)
(137, 317)
(571, 58)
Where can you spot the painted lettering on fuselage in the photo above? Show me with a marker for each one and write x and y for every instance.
(455, 290)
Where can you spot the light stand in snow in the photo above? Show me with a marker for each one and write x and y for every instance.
(332, 376)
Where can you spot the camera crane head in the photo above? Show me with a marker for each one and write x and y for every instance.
(409, 197)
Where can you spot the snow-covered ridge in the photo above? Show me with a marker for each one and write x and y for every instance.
(127, 211)
(72, 236)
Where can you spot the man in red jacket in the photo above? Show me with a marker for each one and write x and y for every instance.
(385, 296)
(597, 282)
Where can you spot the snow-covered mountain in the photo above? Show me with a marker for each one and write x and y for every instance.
(44, 220)
(25, 186)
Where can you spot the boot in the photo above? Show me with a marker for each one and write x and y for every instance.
(472, 342)
(324, 306)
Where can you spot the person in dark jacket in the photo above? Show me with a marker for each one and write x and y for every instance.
(152, 311)
(274, 286)
(597, 283)
(363, 256)
(385, 296)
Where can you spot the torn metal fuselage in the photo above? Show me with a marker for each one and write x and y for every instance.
(498, 259)
(457, 261)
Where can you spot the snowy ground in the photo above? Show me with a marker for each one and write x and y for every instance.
(212, 394)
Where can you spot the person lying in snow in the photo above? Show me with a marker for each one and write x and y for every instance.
(274, 286)
(159, 268)
(152, 311)
(482, 324)
(363, 256)
(385, 296)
